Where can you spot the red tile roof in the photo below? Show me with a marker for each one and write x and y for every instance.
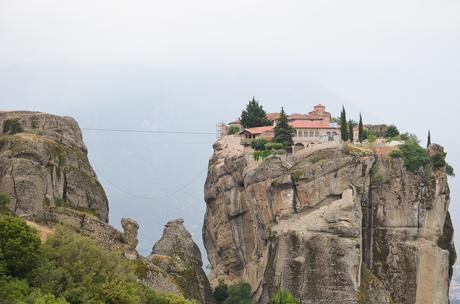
(273, 116)
(236, 122)
(259, 130)
(306, 124)
(297, 116)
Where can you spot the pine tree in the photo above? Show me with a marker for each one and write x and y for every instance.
(343, 125)
(254, 115)
(283, 131)
(360, 129)
(350, 131)
(428, 143)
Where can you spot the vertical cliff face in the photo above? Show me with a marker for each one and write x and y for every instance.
(333, 224)
(43, 163)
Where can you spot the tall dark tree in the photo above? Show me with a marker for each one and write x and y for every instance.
(360, 129)
(254, 115)
(350, 130)
(283, 131)
(343, 125)
(428, 142)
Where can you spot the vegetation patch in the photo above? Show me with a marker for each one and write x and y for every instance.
(414, 156)
(68, 268)
(376, 177)
(12, 126)
(233, 130)
(258, 155)
(259, 143)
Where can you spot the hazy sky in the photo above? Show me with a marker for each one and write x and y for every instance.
(185, 65)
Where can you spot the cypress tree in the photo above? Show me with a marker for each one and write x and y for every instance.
(283, 131)
(350, 131)
(254, 115)
(428, 142)
(360, 129)
(343, 125)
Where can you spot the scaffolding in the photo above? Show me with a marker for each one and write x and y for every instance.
(220, 126)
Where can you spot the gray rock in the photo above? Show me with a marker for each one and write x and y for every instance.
(314, 227)
(44, 163)
(178, 255)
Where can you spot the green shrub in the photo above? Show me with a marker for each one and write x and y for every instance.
(262, 154)
(239, 293)
(371, 137)
(258, 143)
(396, 153)
(391, 131)
(19, 246)
(221, 292)
(438, 161)
(233, 130)
(78, 269)
(273, 146)
(4, 201)
(414, 156)
(283, 297)
(12, 126)
(409, 138)
(450, 170)
(16, 291)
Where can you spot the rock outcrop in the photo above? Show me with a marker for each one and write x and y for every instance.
(335, 223)
(178, 255)
(45, 170)
(44, 163)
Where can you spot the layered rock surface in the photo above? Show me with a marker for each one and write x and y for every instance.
(332, 224)
(44, 163)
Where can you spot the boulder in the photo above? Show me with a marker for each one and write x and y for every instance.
(44, 163)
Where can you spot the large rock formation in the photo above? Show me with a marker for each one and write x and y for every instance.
(332, 224)
(177, 254)
(43, 163)
(45, 170)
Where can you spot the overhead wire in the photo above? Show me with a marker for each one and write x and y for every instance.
(149, 131)
(149, 197)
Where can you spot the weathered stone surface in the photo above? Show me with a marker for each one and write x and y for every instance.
(314, 222)
(43, 163)
(129, 236)
(45, 169)
(177, 254)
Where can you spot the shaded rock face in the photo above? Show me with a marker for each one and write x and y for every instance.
(43, 163)
(178, 255)
(337, 225)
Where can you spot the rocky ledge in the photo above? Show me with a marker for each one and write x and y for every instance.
(335, 223)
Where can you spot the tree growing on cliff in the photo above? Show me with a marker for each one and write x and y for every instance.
(360, 129)
(239, 293)
(428, 142)
(254, 115)
(391, 131)
(283, 297)
(343, 125)
(350, 131)
(221, 292)
(283, 131)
